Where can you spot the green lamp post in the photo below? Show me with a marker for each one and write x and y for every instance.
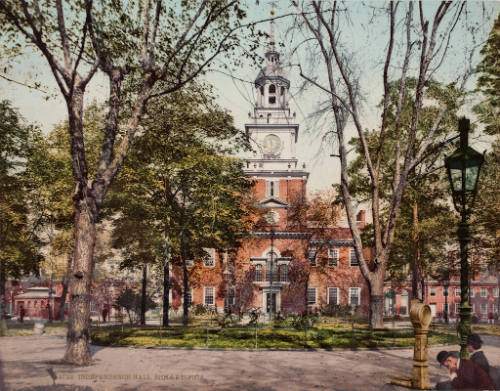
(463, 168)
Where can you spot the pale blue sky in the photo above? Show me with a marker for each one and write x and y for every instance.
(367, 41)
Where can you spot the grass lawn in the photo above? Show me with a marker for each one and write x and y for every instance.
(323, 336)
(20, 329)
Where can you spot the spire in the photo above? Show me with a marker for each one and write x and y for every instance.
(271, 54)
(271, 47)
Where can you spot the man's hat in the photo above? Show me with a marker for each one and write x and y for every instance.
(442, 356)
(474, 340)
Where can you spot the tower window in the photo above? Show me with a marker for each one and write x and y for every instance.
(272, 99)
(272, 89)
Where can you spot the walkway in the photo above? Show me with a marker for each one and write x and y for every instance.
(25, 363)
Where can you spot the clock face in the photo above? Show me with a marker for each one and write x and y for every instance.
(272, 144)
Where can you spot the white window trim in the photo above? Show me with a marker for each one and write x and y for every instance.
(352, 253)
(495, 292)
(333, 257)
(457, 308)
(485, 306)
(328, 294)
(457, 292)
(309, 258)
(359, 294)
(315, 295)
(191, 293)
(261, 272)
(205, 293)
(211, 256)
(276, 189)
(485, 290)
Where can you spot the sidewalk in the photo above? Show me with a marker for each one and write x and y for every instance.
(25, 363)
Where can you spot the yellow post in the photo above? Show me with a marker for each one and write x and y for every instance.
(420, 315)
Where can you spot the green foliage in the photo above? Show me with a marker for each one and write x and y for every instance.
(427, 190)
(489, 82)
(179, 177)
(341, 336)
(131, 302)
(485, 222)
(335, 310)
(19, 245)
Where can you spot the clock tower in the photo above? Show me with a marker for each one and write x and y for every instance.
(273, 133)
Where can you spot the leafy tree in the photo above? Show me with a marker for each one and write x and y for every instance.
(19, 253)
(419, 38)
(136, 45)
(424, 209)
(132, 302)
(489, 82)
(176, 187)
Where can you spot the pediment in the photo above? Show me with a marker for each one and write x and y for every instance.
(272, 202)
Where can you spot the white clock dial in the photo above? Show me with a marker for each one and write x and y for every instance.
(272, 144)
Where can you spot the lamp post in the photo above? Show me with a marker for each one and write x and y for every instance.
(463, 168)
(446, 285)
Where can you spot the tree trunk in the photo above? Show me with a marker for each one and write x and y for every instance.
(376, 287)
(166, 290)
(3, 280)
(143, 295)
(185, 306)
(77, 349)
(417, 275)
(65, 285)
(49, 305)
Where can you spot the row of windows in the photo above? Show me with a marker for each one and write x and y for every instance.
(481, 308)
(333, 296)
(279, 273)
(333, 257)
(482, 292)
(209, 296)
(272, 90)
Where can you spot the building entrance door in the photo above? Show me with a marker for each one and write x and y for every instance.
(270, 301)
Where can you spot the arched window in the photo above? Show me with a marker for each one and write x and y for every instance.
(258, 273)
(272, 89)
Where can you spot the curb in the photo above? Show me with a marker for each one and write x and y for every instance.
(265, 349)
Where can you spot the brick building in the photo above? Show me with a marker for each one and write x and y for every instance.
(279, 266)
(484, 292)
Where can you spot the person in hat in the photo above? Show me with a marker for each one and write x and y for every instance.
(469, 376)
(474, 344)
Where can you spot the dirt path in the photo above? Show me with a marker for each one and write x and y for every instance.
(25, 363)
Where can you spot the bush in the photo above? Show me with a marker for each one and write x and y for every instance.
(335, 310)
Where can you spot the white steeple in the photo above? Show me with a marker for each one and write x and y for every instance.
(272, 130)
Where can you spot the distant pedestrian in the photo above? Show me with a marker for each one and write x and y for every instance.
(474, 344)
(467, 374)
(104, 314)
(21, 314)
